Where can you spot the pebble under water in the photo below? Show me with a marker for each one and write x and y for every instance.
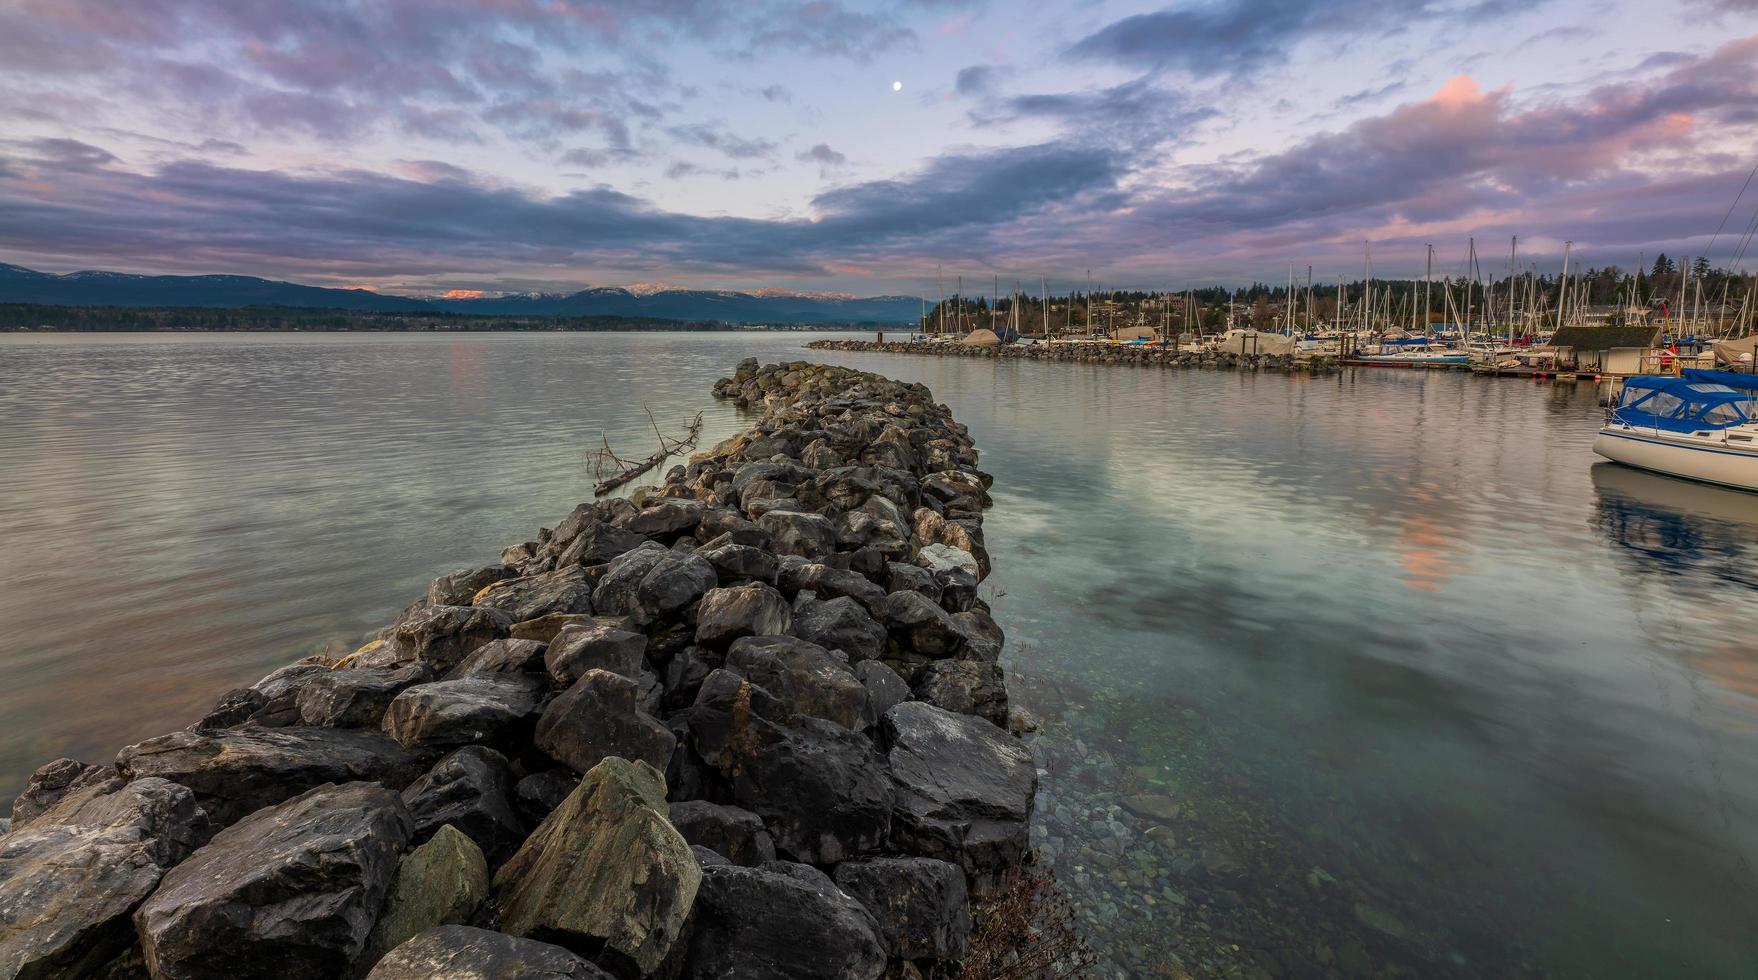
(1378, 674)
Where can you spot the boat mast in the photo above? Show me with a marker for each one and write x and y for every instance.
(1563, 293)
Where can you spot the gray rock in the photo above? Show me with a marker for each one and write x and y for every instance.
(605, 871)
(821, 790)
(726, 614)
(736, 834)
(290, 891)
(958, 589)
(598, 544)
(839, 624)
(652, 582)
(742, 912)
(440, 883)
(504, 656)
(49, 783)
(799, 532)
(565, 590)
(441, 636)
(920, 904)
(541, 792)
(488, 709)
(968, 687)
(459, 587)
(355, 697)
(805, 677)
(71, 877)
(918, 629)
(599, 717)
(287, 678)
(828, 582)
(470, 790)
(464, 953)
(884, 687)
(665, 519)
(900, 577)
(735, 563)
(580, 648)
(236, 771)
(233, 709)
(964, 790)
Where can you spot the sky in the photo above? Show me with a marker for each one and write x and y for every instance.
(548, 145)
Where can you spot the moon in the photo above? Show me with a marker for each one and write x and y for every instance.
(897, 86)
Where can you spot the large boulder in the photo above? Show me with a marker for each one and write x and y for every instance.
(236, 771)
(565, 590)
(920, 904)
(464, 953)
(606, 871)
(290, 891)
(726, 614)
(838, 624)
(799, 532)
(734, 563)
(470, 790)
(484, 709)
(918, 629)
(509, 655)
(440, 883)
(964, 789)
(356, 697)
(781, 921)
(583, 647)
(600, 717)
(598, 544)
(653, 582)
(664, 519)
(968, 687)
(821, 790)
(72, 875)
(828, 582)
(441, 636)
(884, 687)
(732, 832)
(458, 588)
(805, 677)
(50, 782)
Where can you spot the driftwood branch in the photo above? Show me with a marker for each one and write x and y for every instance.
(605, 461)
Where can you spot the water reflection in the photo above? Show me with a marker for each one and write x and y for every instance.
(1677, 527)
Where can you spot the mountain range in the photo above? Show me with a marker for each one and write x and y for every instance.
(21, 285)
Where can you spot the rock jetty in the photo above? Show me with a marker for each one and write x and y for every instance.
(747, 723)
(1137, 355)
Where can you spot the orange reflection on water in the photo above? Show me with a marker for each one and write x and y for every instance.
(1427, 546)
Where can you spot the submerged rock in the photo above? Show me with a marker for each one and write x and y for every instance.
(605, 872)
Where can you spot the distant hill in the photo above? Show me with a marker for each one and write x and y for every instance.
(21, 285)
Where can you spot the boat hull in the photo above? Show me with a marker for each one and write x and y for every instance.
(1715, 464)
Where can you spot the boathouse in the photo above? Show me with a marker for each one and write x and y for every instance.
(1605, 350)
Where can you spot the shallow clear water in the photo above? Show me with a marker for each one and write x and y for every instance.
(1375, 674)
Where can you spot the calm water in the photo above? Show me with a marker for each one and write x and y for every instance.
(1375, 674)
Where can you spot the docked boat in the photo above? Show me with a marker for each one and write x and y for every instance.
(1700, 426)
(1418, 352)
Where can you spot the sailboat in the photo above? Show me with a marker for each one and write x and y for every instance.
(1701, 426)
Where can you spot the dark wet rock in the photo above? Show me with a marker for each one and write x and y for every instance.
(543, 629)
(966, 686)
(665, 519)
(464, 953)
(884, 687)
(233, 709)
(289, 891)
(821, 790)
(49, 783)
(741, 912)
(958, 589)
(236, 771)
(724, 525)
(503, 656)
(735, 563)
(605, 872)
(707, 857)
(581, 648)
(471, 790)
(600, 717)
(838, 624)
(488, 709)
(541, 792)
(805, 677)
(72, 875)
(652, 582)
(964, 789)
(441, 636)
(460, 587)
(356, 697)
(917, 628)
(598, 544)
(727, 614)
(287, 678)
(799, 532)
(828, 582)
(919, 903)
(440, 883)
(682, 678)
(900, 577)
(565, 590)
(736, 834)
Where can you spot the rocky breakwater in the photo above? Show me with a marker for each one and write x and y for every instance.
(1138, 355)
(749, 723)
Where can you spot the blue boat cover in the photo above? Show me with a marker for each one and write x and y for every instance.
(1684, 404)
(1744, 382)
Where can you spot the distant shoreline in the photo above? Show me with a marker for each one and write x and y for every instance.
(46, 318)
